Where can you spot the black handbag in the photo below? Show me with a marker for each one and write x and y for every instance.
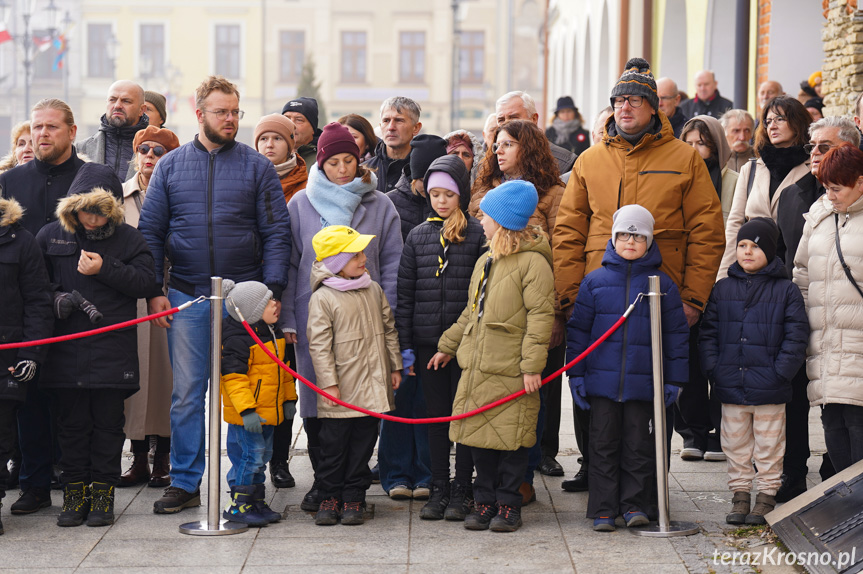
(842, 259)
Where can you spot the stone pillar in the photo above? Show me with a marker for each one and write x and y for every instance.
(842, 37)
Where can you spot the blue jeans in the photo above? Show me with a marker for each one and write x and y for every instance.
(403, 450)
(249, 453)
(189, 346)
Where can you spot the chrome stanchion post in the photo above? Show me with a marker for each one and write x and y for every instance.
(664, 527)
(214, 525)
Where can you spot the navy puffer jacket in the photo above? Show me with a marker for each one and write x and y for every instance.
(754, 335)
(217, 214)
(413, 208)
(429, 304)
(621, 368)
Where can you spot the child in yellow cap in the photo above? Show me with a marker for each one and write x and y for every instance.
(354, 348)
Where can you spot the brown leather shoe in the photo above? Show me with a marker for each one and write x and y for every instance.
(161, 475)
(528, 493)
(138, 473)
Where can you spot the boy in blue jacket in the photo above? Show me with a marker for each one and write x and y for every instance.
(752, 342)
(616, 381)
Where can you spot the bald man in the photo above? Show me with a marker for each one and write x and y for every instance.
(707, 101)
(669, 100)
(767, 91)
(124, 117)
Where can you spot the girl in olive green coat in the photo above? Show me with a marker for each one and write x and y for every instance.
(501, 341)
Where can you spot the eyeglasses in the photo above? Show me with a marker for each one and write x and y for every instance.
(506, 144)
(777, 119)
(158, 150)
(624, 236)
(223, 114)
(634, 101)
(822, 148)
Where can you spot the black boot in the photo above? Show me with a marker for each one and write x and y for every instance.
(280, 475)
(101, 505)
(792, 487)
(578, 483)
(438, 500)
(32, 500)
(460, 501)
(312, 500)
(76, 504)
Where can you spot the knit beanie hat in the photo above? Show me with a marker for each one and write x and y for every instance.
(275, 123)
(336, 139)
(164, 137)
(459, 140)
(337, 262)
(425, 149)
(633, 219)
(306, 106)
(250, 297)
(92, 175)
(511, 204)
(763, 232)
(159, 102)
(443, 180)
(637, 80)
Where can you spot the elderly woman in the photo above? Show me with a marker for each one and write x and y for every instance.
(22, 148)
(466, 146)
(705, 134)
(148, 411)
(828, 268)
(274, 138)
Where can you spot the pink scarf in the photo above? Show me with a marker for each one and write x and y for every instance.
(341, 284)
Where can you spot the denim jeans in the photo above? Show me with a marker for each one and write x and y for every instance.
(843, 434)
(403, 450)
(249, 453)
(189, 346)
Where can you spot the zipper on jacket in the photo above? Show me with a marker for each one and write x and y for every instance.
(279, 409)
(258, 390)
(625, 331)
(619, 193)
(660, 171)
(210, 170)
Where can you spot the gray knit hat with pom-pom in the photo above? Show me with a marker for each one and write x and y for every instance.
(637, 80)
(250, 297)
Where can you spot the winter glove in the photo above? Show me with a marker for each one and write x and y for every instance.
(671, 394)
(579, 393)
(92, 313)
(408, 359)
(252, 422)
(63, 304)
(290, 410)
(24, 371)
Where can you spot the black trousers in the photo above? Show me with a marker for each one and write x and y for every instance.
(622, 457)
(581, 422)
(550, 442)
(90, 431)
(346, 445)
(499, 473)
(439, 389)
(698, 414)
(797, 428)
(283, 434)
(8, 438)
(36, 438)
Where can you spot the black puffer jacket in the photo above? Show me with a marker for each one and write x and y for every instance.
(112, 146)
(388, 171)
(429, 304)
(109, 360)
(413, 209)
(26, 297)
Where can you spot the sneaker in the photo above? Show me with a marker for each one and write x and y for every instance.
(101, 505)
(32, 500)
(352, 513)
(436, 506)
(421, 492)
(480, 517)
(176, 499)
(401, 492)
(376, 474)
(715, 456)
(328, 512)
(312, 500)
(635, 518)
(603, 524)
(691, 453)
(76, 504)
(460, 501)
(508, 519)
(241, 508)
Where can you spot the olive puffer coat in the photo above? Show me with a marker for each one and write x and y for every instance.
(251, 380)
(428, 303)
(496, 350)
(753, 336)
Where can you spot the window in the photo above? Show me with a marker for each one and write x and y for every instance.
(412, 48)
(100, 46)
(292, 51)
(228, 51)
(151, 56)
(471, 57)
(353, 57)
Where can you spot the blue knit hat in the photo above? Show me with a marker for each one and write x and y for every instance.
(511, 204)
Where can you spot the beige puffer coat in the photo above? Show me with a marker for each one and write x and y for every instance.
(353, 344)
(496, 350)
(834, 361)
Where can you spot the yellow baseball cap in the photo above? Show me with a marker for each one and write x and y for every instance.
(337, 239)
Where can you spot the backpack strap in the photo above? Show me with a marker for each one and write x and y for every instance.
(842, 259)
(753, 161)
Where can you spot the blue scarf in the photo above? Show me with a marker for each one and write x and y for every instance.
(336, 204)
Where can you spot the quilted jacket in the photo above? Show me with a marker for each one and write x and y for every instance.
(621, 368)
(753, 336)
(412, 208)
(496, 350)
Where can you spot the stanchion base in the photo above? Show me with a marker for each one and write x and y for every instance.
(675, 528)
(202, 528)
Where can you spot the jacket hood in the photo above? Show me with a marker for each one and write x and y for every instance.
(453, 166)
(319, 273)
(11, 212)
(98, 200)
(775, 268)
(823, 207)
(718, 135)
(476, 143)
(539, 244)
(659, 133)
(649, 261)
(125, 131)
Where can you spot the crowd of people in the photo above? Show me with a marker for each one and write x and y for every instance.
(426, 276)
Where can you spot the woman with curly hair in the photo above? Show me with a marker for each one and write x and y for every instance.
(22, 147)
(521, 152)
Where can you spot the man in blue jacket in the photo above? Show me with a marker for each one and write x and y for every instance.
(214, 208)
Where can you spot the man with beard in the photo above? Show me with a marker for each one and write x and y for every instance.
(124, 117)
(739, 127)
(214, 208)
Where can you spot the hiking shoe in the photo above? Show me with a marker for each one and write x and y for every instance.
(176, 499)
(508, 519)
(101, 505)
(76, 504)
(280, 475)
(401, 492)
(352, 513)
(312, 500)
(603, 524)
(328, 512)
(635, 518)
(32, 500)
(460, 501)
(480, 517)
(692, 453)
(740, 505)
(436, 506)
(242, 507)
(259, 500)
(764, 504)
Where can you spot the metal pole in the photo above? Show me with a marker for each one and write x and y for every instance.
(664, 528)
(741, 55)
(214, 525)
(454, 77)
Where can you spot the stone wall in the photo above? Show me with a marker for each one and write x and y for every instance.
(843, 56)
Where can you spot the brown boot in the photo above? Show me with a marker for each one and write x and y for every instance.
(138, 473)
(161, 475)
(741, 504)
(528, 493)
(764, 504)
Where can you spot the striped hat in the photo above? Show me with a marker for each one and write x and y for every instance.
(637, 80)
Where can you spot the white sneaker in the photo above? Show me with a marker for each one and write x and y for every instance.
(715, 456)
(692, 453)
(400, 492)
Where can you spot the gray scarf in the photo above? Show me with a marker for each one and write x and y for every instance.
(564, 130)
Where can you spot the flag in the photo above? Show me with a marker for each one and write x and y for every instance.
(4, 34)
(42, 43)
(62, 48)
